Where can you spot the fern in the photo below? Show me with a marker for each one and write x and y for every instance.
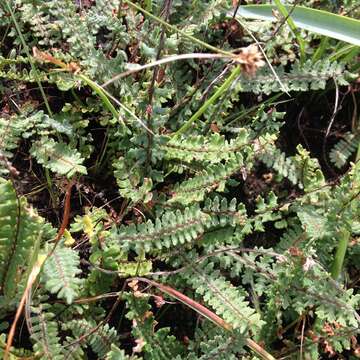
(128, 180)
(292, 237)
(15, 353)
(217, 248)
(63, 81)
(60, 271)
(211, 149)
(224, 212)
(301, 77)
(172, 229)
(228, 301)
(72, 349)
(344, 148)
(116, 354)
(156, 346)
(44, 333)
(10, 131)
(100, 340)
(28, 124)
(300, 169)
(58, 157)
(313, 284)
(213, 343)
(21, 232)
(215, 177)
(313, 223)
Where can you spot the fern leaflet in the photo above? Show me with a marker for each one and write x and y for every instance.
(172, 229)
(59, 274)
(58, 157)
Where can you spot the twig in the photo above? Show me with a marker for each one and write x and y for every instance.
(166, 60)
(302, 338)
(32, 278)
(65, 219)
(354, 120)
(300, 128)
(336, 106)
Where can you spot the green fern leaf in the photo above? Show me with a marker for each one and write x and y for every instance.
(228, 301)
(312, 222)
(58, 157)
(214, 177)
(225, 213)
(301, 77)
(172, 229)
(292, 237)
(59, 274)
(100, 340)
(21, 230)
(213, 148)
(342, 150)
(156, 345)
(216, 344)
(117, 354)
(15, 353)
(44, 333)
(300, 169)
(128, 180)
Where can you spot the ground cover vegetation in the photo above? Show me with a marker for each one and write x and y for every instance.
(179, 179)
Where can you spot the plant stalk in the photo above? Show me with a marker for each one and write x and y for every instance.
(227, 83)
(344, 236)
(293, 27)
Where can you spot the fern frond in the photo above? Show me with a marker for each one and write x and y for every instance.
(58, 157)
(228, 301)
(301, 77)
(63, 81)
(72, 350)
(310, 283)
(10, 133)
(21, 230)
(100, 340)
(44, 333)
(25, 125)
(292, 237)
(172, 229)
(225, 213)
(213, 148)
(313, 222)
(214, 177)
(59, 274)
(117, 354)
(255, 267)
(157, 345)
(129, 182)
(216, 344)
(15, 353)
(344, 148)
(24, 75)
(300, 169)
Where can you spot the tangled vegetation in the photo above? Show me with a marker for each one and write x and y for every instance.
(179, 180)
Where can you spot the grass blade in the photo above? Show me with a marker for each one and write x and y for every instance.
(293, 27)
(318, 21)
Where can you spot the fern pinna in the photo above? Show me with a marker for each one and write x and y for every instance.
(21, 233)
